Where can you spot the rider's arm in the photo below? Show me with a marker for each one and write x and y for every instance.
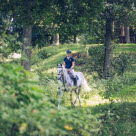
(64, 64)
(73, 64)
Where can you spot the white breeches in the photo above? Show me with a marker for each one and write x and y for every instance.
(72, 72)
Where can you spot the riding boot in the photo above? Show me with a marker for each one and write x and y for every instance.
(75, 81)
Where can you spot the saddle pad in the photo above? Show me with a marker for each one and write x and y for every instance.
(77, 77)
(71, 76)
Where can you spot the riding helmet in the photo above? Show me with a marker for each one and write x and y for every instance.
(68, 51)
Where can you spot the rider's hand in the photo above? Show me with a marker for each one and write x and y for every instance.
(69, 70)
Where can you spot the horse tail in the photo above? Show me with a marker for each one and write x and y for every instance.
(85, 84)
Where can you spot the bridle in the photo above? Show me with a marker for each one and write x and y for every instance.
(61, 78)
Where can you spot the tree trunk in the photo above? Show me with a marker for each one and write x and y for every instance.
(75, 38)
(56, 39)
(127, 34)
(113, 30)
(122, 31)
(122, 34)
(108, 48)
(113, 27)
(27, 38)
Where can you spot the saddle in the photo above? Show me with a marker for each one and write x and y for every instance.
(71, 76)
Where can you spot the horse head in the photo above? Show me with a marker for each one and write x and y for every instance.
(59, 71)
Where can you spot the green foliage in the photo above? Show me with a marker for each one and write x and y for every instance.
(122, 62)
(95, 32)
(116, 85)
(117, 119)
(27, 110)
(42, 54)
(29, 102)
(58, 53)
(40, 37)
(8, 44)
(95, 51)
(92, 67)
(97, 58)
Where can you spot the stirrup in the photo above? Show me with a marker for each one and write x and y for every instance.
(75, 81)
(65, 90)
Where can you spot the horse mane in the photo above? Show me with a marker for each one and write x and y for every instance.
(66, 76)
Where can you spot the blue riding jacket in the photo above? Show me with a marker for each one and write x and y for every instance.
(68, 62)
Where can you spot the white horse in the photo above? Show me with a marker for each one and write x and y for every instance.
(68, 84)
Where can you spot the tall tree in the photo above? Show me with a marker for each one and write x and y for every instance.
(108, 39)
(114, 10)
(27, 36)
(56, 39)
(74, 16)
(27, 42)
(127, 33)
(25, 14)
(108, 48)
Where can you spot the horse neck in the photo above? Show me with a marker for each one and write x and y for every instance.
(66, 76)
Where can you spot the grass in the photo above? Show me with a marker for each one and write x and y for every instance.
(126, 48)
(129, 93)
(118, 119)
(48, 68)
(58, 53)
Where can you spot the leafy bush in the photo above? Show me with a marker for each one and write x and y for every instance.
(93, 62)
(9, 43)
(117, 119)
(116, 84)
(122, 63)
(42, 54)
(26, 109)
(97, 58)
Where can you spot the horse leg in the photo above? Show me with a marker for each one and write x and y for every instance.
(76, 91)
(80, 103)
(72, 104)
(79, 97)
(59, 100)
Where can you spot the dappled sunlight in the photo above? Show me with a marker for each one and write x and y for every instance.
(51, 70)
(95, 100)
(49, 66)
(67, 68)
(15, 55)
(57, 57)
(50, 62)
(12, 57)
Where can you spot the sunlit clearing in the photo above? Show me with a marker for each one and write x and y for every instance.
(16, 55)
(95, 100)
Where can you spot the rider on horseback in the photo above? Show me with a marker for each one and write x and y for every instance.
(69, 64)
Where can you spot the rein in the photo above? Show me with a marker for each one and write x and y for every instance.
(63, 81)
(64, 78)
